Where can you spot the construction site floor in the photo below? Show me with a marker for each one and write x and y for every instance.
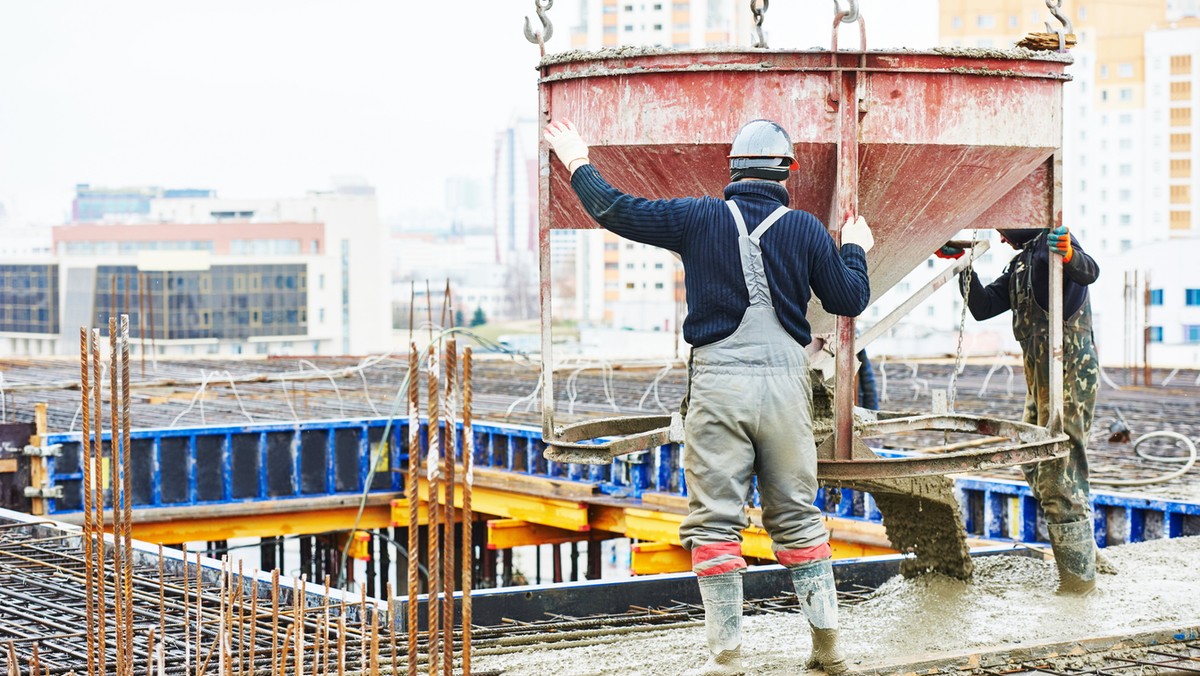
(1007, 620)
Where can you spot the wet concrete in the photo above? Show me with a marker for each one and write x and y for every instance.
(1009, 602)
(922, 517)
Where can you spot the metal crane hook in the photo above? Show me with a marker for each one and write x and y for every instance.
(544, 35)
(1055, 7)
(851, 15)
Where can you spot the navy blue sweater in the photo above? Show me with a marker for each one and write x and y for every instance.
(988, 301)
(799, 255)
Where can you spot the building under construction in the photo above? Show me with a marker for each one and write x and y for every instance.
(446, 507)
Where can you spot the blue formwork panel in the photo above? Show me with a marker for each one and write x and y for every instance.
(246, 463)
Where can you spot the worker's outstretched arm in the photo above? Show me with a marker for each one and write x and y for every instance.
(656, 222)
(839, 277)
(988, 301)
(1077, 265)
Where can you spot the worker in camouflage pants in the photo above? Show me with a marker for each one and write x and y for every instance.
(1060, 485)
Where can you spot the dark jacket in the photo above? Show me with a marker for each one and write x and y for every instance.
(988, 301)
(799, 255)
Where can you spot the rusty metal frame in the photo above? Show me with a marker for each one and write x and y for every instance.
(587, 443)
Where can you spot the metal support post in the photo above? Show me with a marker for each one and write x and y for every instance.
(1056, 308)
(846, 107)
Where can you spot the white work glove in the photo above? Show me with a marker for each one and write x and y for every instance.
(567, 144)
(858, 232)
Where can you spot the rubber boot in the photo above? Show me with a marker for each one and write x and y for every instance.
(722, 596)
(818, 600)
(1075, 553)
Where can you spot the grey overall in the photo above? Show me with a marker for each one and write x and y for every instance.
(750, 412)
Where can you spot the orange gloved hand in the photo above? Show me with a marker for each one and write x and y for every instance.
(1059, 241)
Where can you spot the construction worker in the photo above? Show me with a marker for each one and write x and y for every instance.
(1060, 485)
(751, 267)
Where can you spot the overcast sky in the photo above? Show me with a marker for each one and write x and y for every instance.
(273, 97)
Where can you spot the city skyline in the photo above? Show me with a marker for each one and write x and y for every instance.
(277, 98)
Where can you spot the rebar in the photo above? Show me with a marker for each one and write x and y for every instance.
(85, 354)
(433, 463)
(448, 556)
(127, 481)
(98, 499)
(411, 491)
(468, 480)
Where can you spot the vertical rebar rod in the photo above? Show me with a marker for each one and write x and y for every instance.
(150, 653)
(162, 605)
(391, 599)
(299, 601)
(341, 643)
(468, 481)
(222, 619)
(322, 661)
(412, 489)
(253, 621)
(187, 616)
(98, 501)
(274, 620)
(199, 616)
(364, 660)
(118, 489)
(433, 462)
(451, 359)
(85, 448)
(241, 619)
(127, 481)
(374, 645)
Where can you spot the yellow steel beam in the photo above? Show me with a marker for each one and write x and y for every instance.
(400, 512)
(651, 558)
(272, 524)
(569, 515)
(509, 533)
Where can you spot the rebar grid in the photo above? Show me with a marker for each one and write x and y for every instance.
(43, 607)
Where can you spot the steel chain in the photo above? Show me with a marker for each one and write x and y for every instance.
(850, 15)
(952, 395)
(759, 9)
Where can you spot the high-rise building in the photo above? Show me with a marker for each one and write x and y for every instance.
(1173, 127)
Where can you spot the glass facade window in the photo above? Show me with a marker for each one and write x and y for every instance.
(1155, 334)
(1156, 296)
(226, 302)
(1191, 333)
(1192, 297)
(29, 299)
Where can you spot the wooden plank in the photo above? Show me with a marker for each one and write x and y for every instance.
(531, 485)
